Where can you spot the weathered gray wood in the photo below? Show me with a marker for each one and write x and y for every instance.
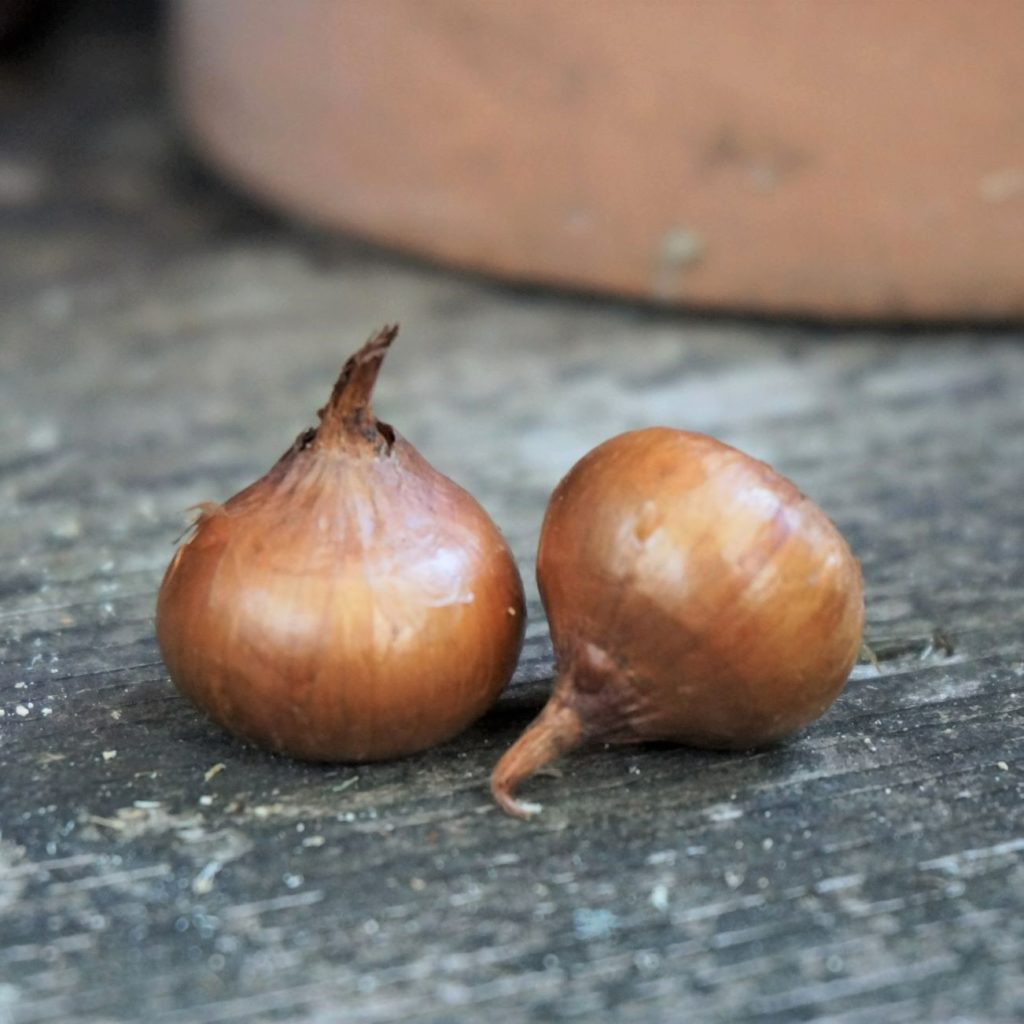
(161, 343)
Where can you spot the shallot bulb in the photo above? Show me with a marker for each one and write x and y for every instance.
(694, 595)
(353, 604)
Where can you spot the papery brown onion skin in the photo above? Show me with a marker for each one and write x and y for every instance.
(352, 605)
(694, 595)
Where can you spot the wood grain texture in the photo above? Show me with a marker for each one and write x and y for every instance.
(161, 343)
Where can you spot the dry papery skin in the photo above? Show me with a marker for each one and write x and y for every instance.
(694, 595)
(354, 604)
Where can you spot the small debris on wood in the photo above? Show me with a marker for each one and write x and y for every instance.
(940, 643)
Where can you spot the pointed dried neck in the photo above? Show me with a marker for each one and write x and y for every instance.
(554, 731)
(347, 419)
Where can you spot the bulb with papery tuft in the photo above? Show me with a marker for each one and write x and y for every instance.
(694, 595)
(353, 604)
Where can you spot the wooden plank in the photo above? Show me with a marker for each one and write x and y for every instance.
(162, 343)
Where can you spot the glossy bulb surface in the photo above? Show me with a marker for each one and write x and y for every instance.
(694, 595)
(353, 604)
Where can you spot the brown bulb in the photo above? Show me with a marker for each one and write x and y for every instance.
(353, 604)
(694, 595)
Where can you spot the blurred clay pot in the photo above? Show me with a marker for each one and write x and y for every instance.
(840, 159)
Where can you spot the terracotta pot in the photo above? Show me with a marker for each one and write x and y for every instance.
(847, 159)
